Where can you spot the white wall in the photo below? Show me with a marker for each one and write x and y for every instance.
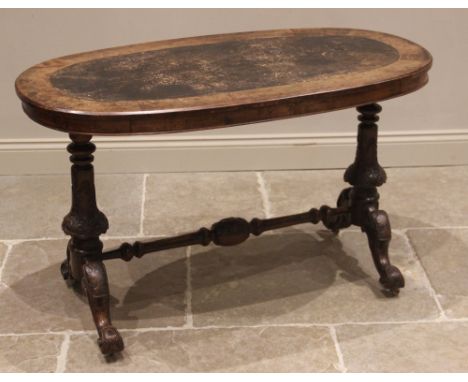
(436, 114)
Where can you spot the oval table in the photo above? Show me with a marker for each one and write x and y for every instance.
(211, 82)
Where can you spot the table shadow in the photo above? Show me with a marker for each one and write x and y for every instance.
(268, 268)
(271, 267)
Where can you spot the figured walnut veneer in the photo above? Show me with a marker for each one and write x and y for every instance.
(222, 80)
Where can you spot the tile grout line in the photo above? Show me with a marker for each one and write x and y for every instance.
(266, 204)
(104, 238)
(298, 325)
(63, 354)
(188, 292)
(432, 228)
(49, 333)
(341, 365)
(427, 281)
(2, 266)
(208, 327)
(143, 202)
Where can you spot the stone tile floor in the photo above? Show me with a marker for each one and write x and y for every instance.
(297, 299)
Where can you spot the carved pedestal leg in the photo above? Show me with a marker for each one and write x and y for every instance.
(85, 223)
(365, 175)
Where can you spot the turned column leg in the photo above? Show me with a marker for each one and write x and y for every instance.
(85, 223)
(365, 175)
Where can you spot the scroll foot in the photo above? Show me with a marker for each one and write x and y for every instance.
(379, 235)
(110, 341)
(96, 287)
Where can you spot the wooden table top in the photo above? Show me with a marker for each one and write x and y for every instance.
(220, 80)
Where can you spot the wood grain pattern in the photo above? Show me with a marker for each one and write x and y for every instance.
(221, 80)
